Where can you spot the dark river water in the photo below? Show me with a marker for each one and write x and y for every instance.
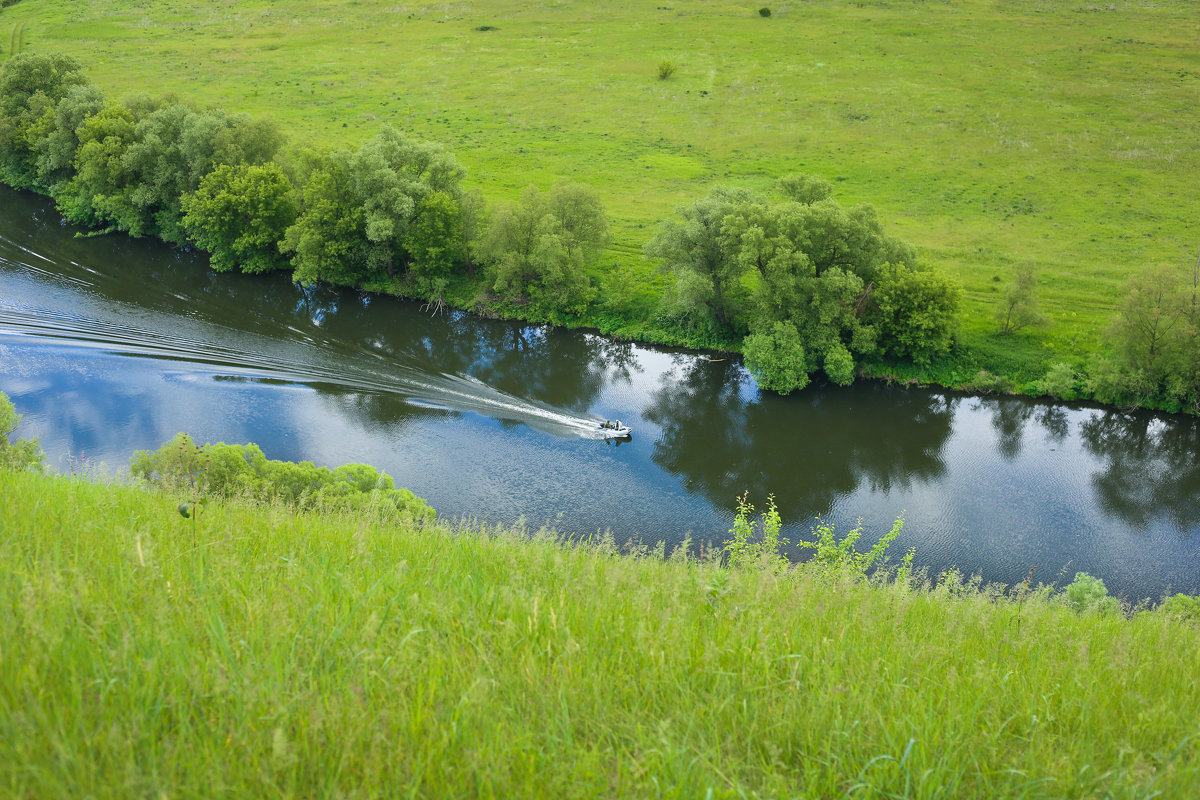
(110, 344)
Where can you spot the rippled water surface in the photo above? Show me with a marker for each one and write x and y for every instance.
(109, 344)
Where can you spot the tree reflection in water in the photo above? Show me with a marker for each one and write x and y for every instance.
(724, 437)
(1011, 417)
(1152, 467)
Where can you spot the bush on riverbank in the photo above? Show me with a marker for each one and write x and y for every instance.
(285, 652)
(242, 470)
(19, 454)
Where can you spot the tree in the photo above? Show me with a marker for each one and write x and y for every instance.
(805, 189)
(56, 149)
(776, 358)
(391, 211)
(392, 175)
(1151, 320)
(1019, 308)
(808, 262)
(1154, 343)
(435, 243)
(325, 242)
(174, 147)
(23, 453)
(239, 213)
(30, 86)
(693, 250)
(915, 311)
(538, 246)
(98, 193)
(800, 275)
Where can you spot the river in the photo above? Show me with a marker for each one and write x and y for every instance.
(110, 344)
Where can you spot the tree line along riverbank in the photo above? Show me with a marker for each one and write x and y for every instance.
(801, 284)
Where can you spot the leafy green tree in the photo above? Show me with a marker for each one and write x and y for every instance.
(326, 240)
(800, 275)
(436, 243)
(539, 245)
(392, 176)
(825, 304)
(851, 239)
(98, 193)
(1152, 322)
(57, 147)
(805, 189)
(1155, 344)
(708, 278)
(915, 310)
(1019, 307)
(839, 364)
(239, 214)
(30, 86)
(174, 148)
(776, 358)
(393, 211)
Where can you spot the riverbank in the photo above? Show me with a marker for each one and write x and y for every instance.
(263, 651)
(1037, 157)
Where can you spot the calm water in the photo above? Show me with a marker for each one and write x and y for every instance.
(109, 344)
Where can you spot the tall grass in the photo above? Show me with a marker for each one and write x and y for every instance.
(306, 654)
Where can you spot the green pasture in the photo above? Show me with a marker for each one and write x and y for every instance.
(987, 133)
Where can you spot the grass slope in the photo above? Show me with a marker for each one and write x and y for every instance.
(987, 133)
(267, 653)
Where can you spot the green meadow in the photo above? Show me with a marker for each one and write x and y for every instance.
(989, 134)
(259, 651)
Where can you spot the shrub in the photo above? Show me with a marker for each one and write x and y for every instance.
(743, 549)
(1181, 607)
(23, 453)
(1060, 381)
(233, 469)
(665, 69)
(764, 12)
(1088, 594)
(842, 554)
(776, 359)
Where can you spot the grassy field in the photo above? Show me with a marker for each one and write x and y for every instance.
(987, 133)
(266, 653)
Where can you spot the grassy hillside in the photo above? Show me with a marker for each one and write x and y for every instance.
(262, 652)
(989, 134)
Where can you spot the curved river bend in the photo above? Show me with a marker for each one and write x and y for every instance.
(110, 344)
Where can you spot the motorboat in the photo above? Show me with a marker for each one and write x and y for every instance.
(614, 429)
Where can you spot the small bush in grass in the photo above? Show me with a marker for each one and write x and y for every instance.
(1088, 594)
(1182, 607)
(666, 69)
(764, 12)
(743, 550)
(1060, 381)
(232, 470)
(841, 553)
(23, 453)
